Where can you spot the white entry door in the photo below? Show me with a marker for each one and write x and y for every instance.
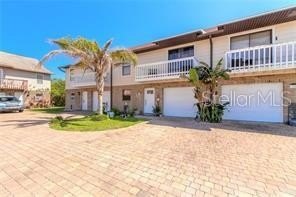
(106, 100)
(84, 100)
(149, 100)
(19, 96)
(254, 102)
(95, 101)
(179, 102)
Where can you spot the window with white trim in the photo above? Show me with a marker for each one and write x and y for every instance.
(2, 76)
(181, 53)
(126, 95)
(251, 40)
(126, 70)
(39, 78)
(71, 74)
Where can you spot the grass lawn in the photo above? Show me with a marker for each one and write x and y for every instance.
(51, 110)
(86, 124)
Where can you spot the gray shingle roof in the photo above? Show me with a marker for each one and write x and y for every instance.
(21, 63)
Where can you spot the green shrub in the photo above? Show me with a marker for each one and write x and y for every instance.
(116, 111)
(98, 117)
(58, 120)
(132, 112)
(156, 110)
(211, 112)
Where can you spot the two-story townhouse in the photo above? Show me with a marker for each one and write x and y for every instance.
(260, 52)
(22, 77)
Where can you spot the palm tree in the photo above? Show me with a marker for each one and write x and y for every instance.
(205, 80)
(90, 56)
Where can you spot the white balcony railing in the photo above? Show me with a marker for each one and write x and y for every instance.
(266, 57)
(83, 79)
(164, 70)
(13, 84)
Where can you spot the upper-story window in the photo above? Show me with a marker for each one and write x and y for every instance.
(71, 72)
(181, 53)
(2, 75)
(251, 40)
(126, 70)
(39, 78)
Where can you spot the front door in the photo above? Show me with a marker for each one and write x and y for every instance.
(95, 101)
(84, 100)
(149, 100)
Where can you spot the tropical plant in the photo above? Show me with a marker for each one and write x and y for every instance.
(57, 92)
(90, 56)
(156, 110)
(205, 80)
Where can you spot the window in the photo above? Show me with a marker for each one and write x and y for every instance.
(126, 95)
(72, 96)
(149, 91)
(39, 78)
(1, 74)
(180, 66)
(250, 40)
(126, 70)
(71, 74)
(181, 53)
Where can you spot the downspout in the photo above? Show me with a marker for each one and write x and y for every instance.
(111, 87)
(211, 51)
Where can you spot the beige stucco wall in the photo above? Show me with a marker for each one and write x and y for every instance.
(280, 33)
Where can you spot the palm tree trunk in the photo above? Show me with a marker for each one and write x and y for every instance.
(100, 89)
(100, 108)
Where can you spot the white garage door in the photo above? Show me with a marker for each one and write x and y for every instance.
(179, 102)
(254, 102)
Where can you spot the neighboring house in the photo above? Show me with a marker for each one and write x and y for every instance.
(260, 52)
(22, 77)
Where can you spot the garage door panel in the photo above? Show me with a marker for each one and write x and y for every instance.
(179, 102)
(254, 102)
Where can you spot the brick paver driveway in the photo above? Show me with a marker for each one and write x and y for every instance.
(160, 158)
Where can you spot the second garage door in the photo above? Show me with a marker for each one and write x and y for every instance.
(254, 102)
(179, 102)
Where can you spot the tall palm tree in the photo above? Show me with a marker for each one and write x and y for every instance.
(90, 56)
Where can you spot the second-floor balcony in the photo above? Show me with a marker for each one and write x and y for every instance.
(170, 69)
(83, 79)
(261, 58)
(13, 84)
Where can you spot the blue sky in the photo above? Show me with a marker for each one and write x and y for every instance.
(27, 25)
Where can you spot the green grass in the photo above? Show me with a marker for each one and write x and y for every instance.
(86, 124)
(51, 110)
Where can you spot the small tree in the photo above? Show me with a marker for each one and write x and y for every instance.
(205, 81)
(57, 92)
(92, 57)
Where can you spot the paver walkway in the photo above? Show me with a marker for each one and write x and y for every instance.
(160, 158)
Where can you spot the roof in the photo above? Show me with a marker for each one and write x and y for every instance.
(244, 24)
(18, 62)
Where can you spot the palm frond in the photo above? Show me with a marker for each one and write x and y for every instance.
(56, 52)
(107, 46)
(124, 56)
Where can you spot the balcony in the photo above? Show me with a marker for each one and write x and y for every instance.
(261, 58)
(13, 84)
(171, 69)
(80, 79)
